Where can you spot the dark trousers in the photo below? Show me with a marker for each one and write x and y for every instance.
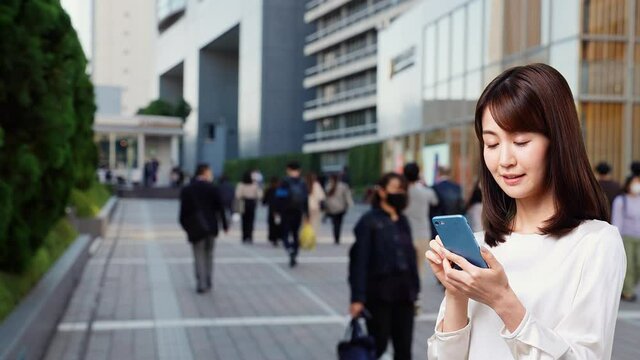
(248, 218)
(336, 221)
(203, 261)
(291, 222)
(275, 230)
(392, 321)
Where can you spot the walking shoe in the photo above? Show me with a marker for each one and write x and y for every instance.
(201, 290)
(292, 261)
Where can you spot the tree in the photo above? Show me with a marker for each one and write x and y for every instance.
(164, 108)
(46, 116)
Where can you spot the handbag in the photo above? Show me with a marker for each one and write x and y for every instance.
(357, 343)
(238, 206)
(307, 237)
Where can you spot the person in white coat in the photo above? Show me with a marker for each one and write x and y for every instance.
(316, 198)
(556, 266)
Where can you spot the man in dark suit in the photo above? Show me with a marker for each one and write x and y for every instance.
(450, 199)
(200, 211)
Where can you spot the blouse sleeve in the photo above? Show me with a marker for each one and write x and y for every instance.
(452, 345)
(586, 332)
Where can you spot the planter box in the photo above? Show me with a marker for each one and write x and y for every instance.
(96, 227)
(26, 332)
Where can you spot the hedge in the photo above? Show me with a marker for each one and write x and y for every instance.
(46, 136)
(365, 164)
(270, 165)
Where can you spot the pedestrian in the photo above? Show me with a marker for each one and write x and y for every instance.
(248, 193)
(316, 200)
(473, 209)
(200, 211)
(420, 199)
(383, 276)
(292, 207)
(273, 221)
(227, 194)
(610, 187)
(556, 266)
(339, 200)
(450, 199)
(626, 217)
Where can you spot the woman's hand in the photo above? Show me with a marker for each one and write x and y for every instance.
(436, 257)
(355, 309)
(487, 286)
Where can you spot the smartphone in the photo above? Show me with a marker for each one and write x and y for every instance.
(457, 237)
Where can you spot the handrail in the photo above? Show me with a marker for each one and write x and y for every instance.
(342, 60)
(341, 133)
(339, 97)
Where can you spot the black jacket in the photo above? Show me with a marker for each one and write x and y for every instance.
(206, 197)
(382, 261)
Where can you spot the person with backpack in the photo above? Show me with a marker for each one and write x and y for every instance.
(200, 211)
(450, 199)
(292, 208)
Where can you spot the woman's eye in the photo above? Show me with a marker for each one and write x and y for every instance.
(491, 146)
(521, 143)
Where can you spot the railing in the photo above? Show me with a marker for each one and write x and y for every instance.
(353, 18)
(342, 60)
(366, 129)
(343, 96)
(166, 8)
(314, 4)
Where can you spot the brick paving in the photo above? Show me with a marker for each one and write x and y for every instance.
(137, 300)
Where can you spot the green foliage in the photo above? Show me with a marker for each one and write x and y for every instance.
(164, 108)
(270, 165)
(365, 164)
(14, 286)
(88, 203)
(46, 138)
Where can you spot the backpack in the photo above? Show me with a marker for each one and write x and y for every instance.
(291, 196)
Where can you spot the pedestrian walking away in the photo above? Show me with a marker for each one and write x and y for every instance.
(292, 207)
(338, 202)
(610, 187)
(383, 275)
(273, 221)
(555, 265)
(248, 192)
(316, 201)
(200, 211)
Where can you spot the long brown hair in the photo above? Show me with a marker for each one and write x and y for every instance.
(537, 98)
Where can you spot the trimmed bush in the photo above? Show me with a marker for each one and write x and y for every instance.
(270, 165)
(88, 203)
(365, 165)
(46, 138)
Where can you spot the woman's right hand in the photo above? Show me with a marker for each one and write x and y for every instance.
(355, 309)
(437, 260)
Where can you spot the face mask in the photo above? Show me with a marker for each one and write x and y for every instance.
(397, 201)
(635, 189)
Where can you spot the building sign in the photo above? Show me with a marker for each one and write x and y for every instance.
(404, 60)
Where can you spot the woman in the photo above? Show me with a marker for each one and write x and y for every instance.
(473, 209)
(556, 266)
(275, 230)
(626, 217)
(316, 197)
(383, 275)
(249, 193)
(339, 200)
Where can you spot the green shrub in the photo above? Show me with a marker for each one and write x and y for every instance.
(270, 165)
(47, 107)
(365, 164)
(88, 203)
(164, 108)
(14, 286)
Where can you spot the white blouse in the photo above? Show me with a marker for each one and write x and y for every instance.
(570, 287)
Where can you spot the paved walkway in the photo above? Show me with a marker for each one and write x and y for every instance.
(136, 298)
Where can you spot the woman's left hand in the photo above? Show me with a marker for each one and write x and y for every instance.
(487, 286)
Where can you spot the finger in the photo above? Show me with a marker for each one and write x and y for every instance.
(459, 260)
(433, 257)
(489, 258)
(439, 241)
(437, 248)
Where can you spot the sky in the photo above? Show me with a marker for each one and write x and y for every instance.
(80, 12)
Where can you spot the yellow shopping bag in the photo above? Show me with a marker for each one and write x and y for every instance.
(307, 237)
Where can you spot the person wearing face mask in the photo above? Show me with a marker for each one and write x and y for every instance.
(383, 274)
(625, 216)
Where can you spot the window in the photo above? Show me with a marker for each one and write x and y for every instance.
(603, 67)
(602, 124)
(474, 35)
(444, 41)
(604, 17)
(430, 55)
(210, 134)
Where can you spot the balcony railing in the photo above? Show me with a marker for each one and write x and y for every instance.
(168, 11)
(353, 18)
(342, 133)
(342, 60)
(314, 4)
(343, 96)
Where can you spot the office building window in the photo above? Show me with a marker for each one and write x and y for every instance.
(636, 68)
(635, 143)
(521, 25)
(602, 126)
(210, 134)
(605, 17)
(603, 67)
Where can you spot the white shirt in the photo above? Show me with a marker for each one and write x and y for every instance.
(420, 198)
(570, 288)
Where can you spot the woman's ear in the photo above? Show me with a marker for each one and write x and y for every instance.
(381, 193)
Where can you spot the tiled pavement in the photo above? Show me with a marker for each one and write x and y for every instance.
(137, 297)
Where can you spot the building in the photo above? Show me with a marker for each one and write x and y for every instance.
(239, 65)
(435, 60)
(344, 48)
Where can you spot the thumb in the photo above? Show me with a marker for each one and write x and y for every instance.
(489, 258)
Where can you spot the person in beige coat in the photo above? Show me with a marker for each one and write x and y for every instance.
(339, 200)
(316, 198)
(248, 193)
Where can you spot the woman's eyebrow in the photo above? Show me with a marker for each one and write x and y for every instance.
(489, 132)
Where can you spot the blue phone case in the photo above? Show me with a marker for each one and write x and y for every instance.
(457, 237)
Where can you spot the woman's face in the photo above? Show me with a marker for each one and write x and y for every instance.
(517, 161)
(634, 186)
